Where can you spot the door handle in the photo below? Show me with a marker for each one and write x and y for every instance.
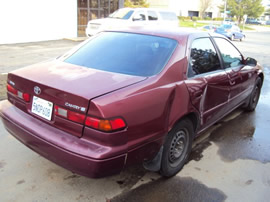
(232, 82)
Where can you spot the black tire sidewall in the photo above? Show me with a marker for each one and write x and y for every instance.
(166, 169)
(251, 106)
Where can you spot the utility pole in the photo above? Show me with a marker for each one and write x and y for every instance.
(225, 8)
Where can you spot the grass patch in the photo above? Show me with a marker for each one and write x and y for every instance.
(191, 24)
(246, 27)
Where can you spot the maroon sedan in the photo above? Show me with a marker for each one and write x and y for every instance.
(129, 96)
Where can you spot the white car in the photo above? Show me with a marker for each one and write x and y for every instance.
(133, 16)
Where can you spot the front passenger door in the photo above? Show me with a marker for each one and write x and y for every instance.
(238, 73)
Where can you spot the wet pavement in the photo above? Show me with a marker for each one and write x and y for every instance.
(173, 189)
(230, 162)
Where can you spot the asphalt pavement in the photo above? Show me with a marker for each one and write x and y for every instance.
(230, 162)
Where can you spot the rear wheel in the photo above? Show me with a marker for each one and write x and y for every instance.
(177, 148)
(254, 96)
(243, 38)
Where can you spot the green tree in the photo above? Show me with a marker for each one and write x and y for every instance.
(204, 5)
(239, 8)
(136, 3)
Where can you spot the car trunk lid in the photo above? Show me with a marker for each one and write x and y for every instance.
(66, 86)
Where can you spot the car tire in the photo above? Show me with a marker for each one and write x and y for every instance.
(254, 96)
(177, 148)
(243, 38)
(232, 37)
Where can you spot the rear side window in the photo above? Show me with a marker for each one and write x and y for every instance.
(152, 15)
(230, 55)
(203, 57)
(126, 53)
(165, 15)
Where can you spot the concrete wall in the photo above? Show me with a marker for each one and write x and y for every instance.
(37, 20)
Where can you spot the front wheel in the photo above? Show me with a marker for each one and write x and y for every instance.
(255, 95)
(232, 37)
(177, 148)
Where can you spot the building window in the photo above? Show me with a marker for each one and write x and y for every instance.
(93, 9)
(193, 13)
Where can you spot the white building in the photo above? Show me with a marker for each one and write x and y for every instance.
(188, 7)
(39, 20)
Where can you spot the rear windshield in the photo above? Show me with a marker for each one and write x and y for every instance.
(165, 15)
(126, 53)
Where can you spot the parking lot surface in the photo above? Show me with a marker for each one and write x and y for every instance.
(230, 162)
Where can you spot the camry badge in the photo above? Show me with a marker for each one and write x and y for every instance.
(37, 90)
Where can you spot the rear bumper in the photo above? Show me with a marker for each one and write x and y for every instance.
(73, 153)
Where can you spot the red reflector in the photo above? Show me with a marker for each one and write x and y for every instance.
(117, 123)
(70, 115)
(26, 97)
(77, 117)
(11, 89)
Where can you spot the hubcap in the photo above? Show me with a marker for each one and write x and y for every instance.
(178, 147)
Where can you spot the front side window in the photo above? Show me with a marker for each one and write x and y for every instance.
(230, 55)
(152, 15)
(139, 16)
(126, 53)
(203, 57)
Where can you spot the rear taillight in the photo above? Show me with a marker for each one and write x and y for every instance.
(11, 89)
(14, 91)
(106, 125)
(70, 115)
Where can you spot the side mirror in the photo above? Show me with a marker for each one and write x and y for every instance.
(250, 61)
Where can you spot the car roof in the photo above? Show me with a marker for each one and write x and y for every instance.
(176, 33)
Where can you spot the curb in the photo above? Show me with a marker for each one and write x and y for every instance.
(76, 39)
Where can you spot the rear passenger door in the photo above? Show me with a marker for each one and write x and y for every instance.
(207, 83)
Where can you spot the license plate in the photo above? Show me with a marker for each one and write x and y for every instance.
(42, 108)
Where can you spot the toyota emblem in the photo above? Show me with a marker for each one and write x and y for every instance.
(37, 90)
